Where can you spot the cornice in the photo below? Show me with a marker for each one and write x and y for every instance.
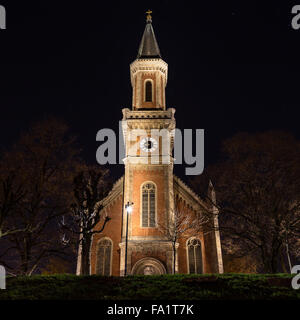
(148, 114)
(142, 65)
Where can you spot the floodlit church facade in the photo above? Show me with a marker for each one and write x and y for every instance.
(139, 245)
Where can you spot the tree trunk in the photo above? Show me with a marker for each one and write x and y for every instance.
(274, 264)
(25, 257)
(276, 257)
(174, 257)
(85, 254)
(24, 264)
(288, 255)
(282, 263)
(266, 261)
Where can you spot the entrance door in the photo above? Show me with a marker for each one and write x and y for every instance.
(148, 266)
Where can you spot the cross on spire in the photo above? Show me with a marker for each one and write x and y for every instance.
(148, 46)
(149, 18)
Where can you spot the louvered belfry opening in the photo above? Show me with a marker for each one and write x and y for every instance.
(195, 256)
(148, 205)
(104, 257)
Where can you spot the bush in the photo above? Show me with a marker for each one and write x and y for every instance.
(167, 287)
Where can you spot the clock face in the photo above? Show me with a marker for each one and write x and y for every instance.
(148, 144)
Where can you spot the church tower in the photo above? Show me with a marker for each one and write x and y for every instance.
(148, 74)
(136, 241)
(148, 130)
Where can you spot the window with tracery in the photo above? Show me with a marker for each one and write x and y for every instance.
(104, 253)
(194, 256)
(148, 205)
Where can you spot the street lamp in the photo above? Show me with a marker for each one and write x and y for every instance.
(128, 207)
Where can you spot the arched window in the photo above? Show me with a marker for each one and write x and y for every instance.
(194, 252)
(148, 91)
(104, 255)
(148, 205)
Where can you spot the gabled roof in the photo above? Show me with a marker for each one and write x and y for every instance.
(179, 188)
(114, 193)
(148, 46)
(187, 193)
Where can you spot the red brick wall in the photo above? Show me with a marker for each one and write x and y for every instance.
(139, 177)
(181, 251)
(112, 230)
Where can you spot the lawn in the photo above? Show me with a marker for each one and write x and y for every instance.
(165, 287)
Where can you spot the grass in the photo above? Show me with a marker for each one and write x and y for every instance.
(165, 287)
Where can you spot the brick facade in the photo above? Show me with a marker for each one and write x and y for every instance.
(149, 242)
(149, 250)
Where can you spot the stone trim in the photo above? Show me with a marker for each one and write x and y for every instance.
(142, 69)
(147, 247)
(157, 265)
(148, 114)
(111, 254)
(187, 253)
(218, 244)
(139, 65)
(148, 238)
(141, 204)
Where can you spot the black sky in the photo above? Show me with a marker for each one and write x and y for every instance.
(233, 66)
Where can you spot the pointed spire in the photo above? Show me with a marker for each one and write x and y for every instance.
(148, 46)
(211, 193)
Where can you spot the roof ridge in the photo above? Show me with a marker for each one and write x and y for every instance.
(189, 189)
(113, 190)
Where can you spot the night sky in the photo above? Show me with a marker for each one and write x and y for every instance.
(233, 66)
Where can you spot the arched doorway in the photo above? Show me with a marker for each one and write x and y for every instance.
(148, 266)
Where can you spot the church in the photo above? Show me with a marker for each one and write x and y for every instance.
(142, 203)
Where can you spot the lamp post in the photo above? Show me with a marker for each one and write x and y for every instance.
(128, 207)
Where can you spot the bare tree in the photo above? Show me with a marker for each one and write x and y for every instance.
(182, 222)
(91, 186)
(44, 161)
(11, 196)
(258, 187)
